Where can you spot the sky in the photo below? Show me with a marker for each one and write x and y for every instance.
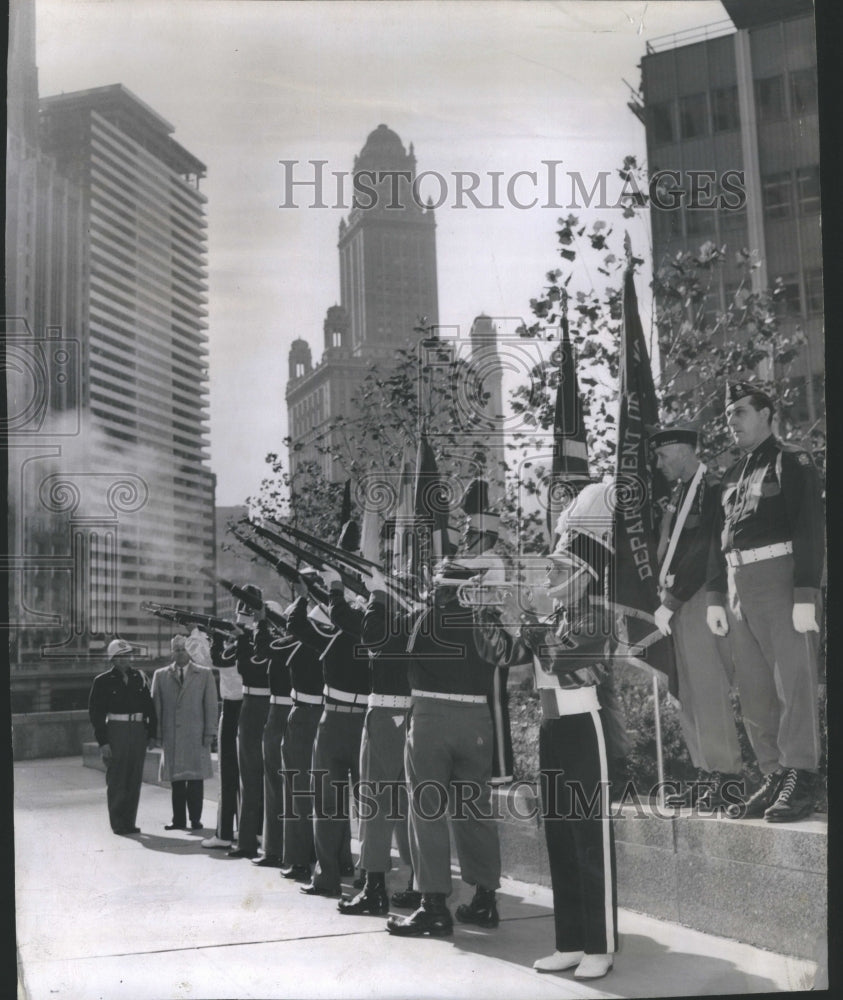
(476, 85)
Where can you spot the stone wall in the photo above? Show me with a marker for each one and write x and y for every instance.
(49, 734)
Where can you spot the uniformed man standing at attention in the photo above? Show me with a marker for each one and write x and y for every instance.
(767, 556)
(123, 716)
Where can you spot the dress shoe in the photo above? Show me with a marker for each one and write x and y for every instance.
(432, 918)
(268, 861)
(482, 910)
(316, 890)
(216, 841)
(360, 881)
(371, 900)
(407, 899)
(133, 829)
(593, 966)
(196, 824)
(795, 799)
(559, 961)
(299, 873)
(240, 852)
(761, 800)
(175, 826)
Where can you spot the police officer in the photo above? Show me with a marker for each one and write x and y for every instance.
(767, 556)
(703, 663)
(123, 716)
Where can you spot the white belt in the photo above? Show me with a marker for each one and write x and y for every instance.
(280, 699)
(470, 699)
(347, 696)
(329, 707)
(132, 717)
(264, 692)
(572, 701)
(300, 698)
(740, 557)
(389, 701)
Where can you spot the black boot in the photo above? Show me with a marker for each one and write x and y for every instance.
(407, 899)
(795, 799)
(761, 800)
(433, 917)
(482, 910)
(373, 899)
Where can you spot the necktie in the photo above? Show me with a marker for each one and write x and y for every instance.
(181, 675)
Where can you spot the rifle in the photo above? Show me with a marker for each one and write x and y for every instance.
(281, 567)
(248, 598)
(181, 616)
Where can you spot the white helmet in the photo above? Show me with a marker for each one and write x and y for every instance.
(118, 647)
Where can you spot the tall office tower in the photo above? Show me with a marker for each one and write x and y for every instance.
(387, 249)
(742, 95)
(132, 486)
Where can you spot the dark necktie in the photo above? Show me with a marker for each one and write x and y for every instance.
(181, 675)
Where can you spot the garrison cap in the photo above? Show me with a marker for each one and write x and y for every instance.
(740, 389)
(675, 433)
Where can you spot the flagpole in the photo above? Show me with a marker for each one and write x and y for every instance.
(657, 717)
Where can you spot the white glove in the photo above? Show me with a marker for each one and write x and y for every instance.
(332, 579)
(662, 616)
(715, 618)
(805, 618)
(376, 580)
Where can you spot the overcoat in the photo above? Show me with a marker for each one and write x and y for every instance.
(187, 721)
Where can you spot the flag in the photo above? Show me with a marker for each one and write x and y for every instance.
(570, 451)
(403, 520)
(635, 585)
(345, 510)
(430, 513)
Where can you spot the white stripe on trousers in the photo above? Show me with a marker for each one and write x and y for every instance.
(605, 823)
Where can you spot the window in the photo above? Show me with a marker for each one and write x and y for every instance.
(299, 369)
(769, 98)
(692, 116)
(661, 122)
(776, 194)
(786, 295)
(814, 291)
(725, 116)
(803, 92)
(808, 189)
(336, 338)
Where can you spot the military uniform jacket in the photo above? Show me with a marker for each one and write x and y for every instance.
(771, 495)
(385, 636)
(250, 654)
(689, 565)
(572, 645)
(280, 651)
(345, 664)
(110, 694)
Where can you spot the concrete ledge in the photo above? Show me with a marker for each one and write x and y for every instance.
(755, 882)
(49, 734)
(91, 758)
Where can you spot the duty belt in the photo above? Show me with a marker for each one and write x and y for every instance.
(131, 717)
(280, 699)
(741, 557)
(301, 698)
(330, 707)
(349, 697)
(556, 702)
(262, 692)
(469, 699)
(389, 700)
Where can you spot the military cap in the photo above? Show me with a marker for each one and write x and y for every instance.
(118, 647)
(674, 433)
(741, 389)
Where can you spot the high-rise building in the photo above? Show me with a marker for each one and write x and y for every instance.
(112, 496)
(741, 95)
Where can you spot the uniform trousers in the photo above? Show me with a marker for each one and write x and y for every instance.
(704, 674)
(188, 796)
(776, 668)
(250, 761)
(502, 757)
(336, 756)
(578, 831)
(228, 804)
(124, 773)
(449, 766)
(273, 781)
(296, 758)
(383, 799)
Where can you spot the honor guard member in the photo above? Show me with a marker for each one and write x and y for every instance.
(479, 539)
(280, 703)
(765, 571)
(123, 716)
(569, 655)
(250, 653)
(231, 692)
(384, 813)
(449, 751)
(703, 661)
(336, 749)
(306, 685)
(185, 697)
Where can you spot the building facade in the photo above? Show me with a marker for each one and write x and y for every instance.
(741, 95)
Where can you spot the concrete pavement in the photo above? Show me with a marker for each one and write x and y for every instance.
(101, 917)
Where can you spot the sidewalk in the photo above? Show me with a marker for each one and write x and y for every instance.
(154, 916)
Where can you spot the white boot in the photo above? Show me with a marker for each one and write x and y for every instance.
(558, 961)
(593, 966)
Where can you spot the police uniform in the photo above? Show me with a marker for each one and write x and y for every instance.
(766, 557)
(305, 669)
(574, 765)
(123, 716)
(703, 661)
